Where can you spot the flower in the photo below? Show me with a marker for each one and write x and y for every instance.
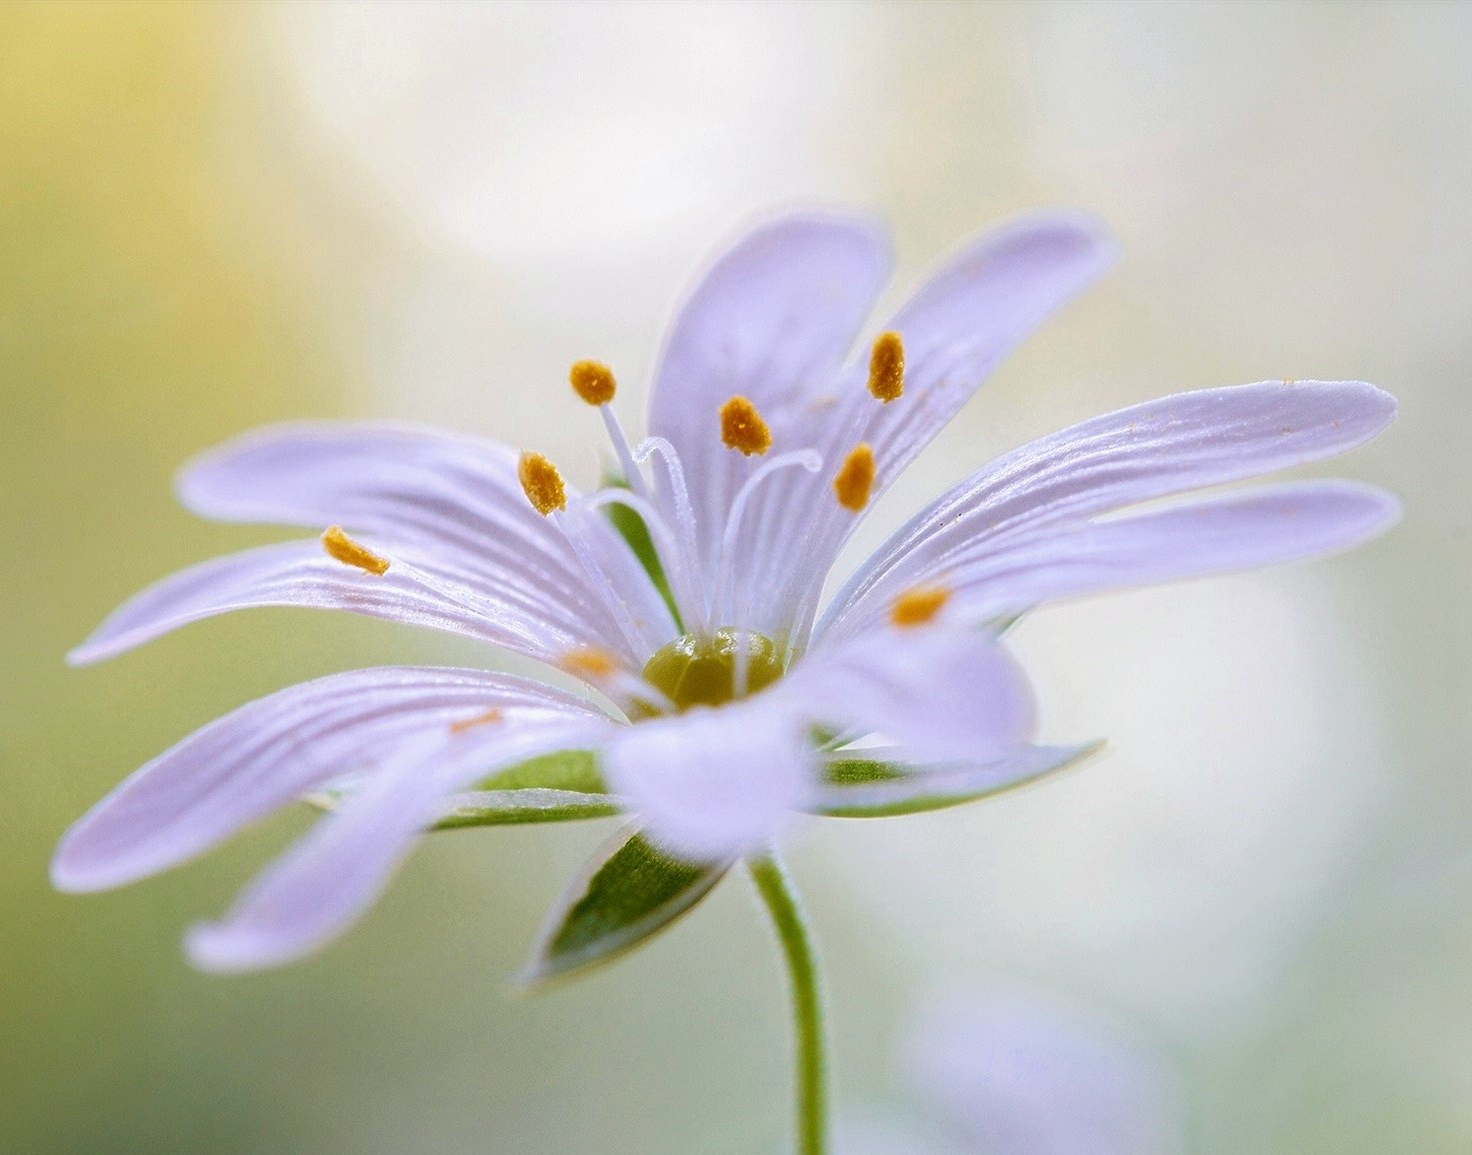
(1015, 1073)
(718, 701)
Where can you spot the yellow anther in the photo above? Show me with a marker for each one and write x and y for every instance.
(593, 382)
(742, 427)
(340, 546)
(855, 478)
(488, 718)
(541, 483)
(590, 662)
(917, 606)
(887, 367)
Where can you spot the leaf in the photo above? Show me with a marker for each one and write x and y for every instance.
(562, 770)
(628, 892)
(872, 788)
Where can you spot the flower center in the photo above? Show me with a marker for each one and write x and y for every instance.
(702, 671)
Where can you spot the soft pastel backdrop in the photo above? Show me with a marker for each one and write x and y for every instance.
(215, 216)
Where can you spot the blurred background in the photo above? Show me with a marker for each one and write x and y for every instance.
(216, 216)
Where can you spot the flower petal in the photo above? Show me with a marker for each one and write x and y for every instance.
(452, 502)
(942, 694)
(320, 886)
(771, 320)
(714, 784)
(1264, 526)
(956, 328)
(300, 573)
(1162, 447)
(263, 755)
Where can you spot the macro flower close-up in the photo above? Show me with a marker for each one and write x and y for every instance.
(714, 428)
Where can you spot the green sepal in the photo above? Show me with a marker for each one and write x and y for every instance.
(627, 893)
(872, 788)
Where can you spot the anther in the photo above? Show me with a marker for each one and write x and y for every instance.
(742, 427)
(590, 662)
(344, 549)
(541, 483)
(487, 718)
(855, 478)
(887, 367)
(917, 606)
(593, 382)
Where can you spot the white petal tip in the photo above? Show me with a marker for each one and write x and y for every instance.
(220, 949)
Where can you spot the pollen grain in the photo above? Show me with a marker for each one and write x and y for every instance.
(887, 367)
(344, 549)
(854, 480)
(742, 427)
(487, 718)
(541, 483)
(590, 662)
(917, 606)
(593, 382)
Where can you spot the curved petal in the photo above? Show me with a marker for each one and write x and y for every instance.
(980, 305)
(714, 784)
(320, 886)
(1264, 526)
(943, 694)
(299, 573)
(448, 500)
(772, 320)
(1162, 447)
(263, 755)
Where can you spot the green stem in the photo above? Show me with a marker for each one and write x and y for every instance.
(780, 896)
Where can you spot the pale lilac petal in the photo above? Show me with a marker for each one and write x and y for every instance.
(772, 320)
(714, 784)
(1147, 451)
(263, 755)
(1017, 1074)
(944, 694)
(322, 885)
(981, 304)
(452, 502)
(1263, 526)
(300, 573)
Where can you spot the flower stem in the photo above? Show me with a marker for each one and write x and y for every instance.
(780, 896)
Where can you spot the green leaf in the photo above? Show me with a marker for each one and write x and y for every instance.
(562, 770)
(871, 788)
(627, 893)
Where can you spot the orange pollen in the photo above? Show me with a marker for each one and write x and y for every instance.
(855, 478)
(593, 382)
(590, 662)
(887, 367)
(541, 483)
(742, 427)
(344, 549)
(488, 718)
(917, 606)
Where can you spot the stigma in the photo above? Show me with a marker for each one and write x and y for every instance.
(743, 429)
(854, 480)
(541, 483)
(917, 606)
(887, 367)
(341, 547)
(593, 381)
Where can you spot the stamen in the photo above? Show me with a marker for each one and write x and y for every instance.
(917, 606)
(541, 483)
(593, 382)
(855, 478)
(488, 718)
(344, 549)
(887, 367)
(742, 427)
(590, 662)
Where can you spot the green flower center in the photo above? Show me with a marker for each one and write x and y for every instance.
(701, 671)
